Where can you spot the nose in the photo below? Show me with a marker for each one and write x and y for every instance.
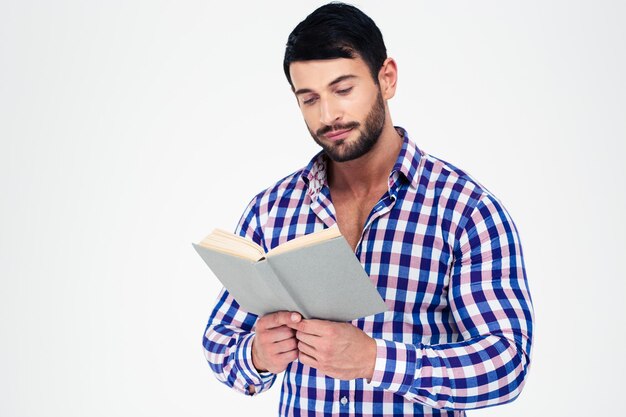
(330, 113)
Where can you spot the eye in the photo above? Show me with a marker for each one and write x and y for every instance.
(308, 101)
(344, 91)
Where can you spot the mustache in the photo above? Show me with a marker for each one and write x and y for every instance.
(326, 129)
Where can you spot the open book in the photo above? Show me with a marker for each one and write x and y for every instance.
(316, 275)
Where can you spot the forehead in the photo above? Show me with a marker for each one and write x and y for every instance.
(318, 74)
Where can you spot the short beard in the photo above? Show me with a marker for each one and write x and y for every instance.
(340, 151)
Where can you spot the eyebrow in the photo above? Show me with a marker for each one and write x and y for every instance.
(333, 82)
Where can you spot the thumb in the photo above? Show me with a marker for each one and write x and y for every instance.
(295, 317)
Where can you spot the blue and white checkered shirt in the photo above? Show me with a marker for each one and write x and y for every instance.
(446, 258)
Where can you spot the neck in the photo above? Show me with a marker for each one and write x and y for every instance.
(371, 171)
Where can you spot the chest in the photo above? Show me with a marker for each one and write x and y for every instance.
(352, 213)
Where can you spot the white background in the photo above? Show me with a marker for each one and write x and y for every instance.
(129, 129)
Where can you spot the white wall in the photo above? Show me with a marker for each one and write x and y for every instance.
(129, 129)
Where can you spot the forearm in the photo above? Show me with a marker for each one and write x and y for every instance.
(227, 345)
(483, 371)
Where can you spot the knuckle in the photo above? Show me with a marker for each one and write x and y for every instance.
(264, 337)
(292, 356)
(275, 318)
(259, 340)
(287, 333)
(265, 321)
(323, 362)
(285, 317)
(258, 326)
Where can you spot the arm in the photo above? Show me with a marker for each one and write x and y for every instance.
(227, 343)
(491, 304)
(229, 334)
(492, 309)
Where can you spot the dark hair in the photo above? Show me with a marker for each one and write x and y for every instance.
(336, 30)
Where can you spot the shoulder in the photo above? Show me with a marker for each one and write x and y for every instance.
(280, 193)
(459, 195)
(281, 189)
(288, 191)
(444, 175)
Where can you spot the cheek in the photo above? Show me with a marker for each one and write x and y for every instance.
(311, 122)
(354, 108)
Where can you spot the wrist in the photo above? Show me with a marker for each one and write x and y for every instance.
(370, 359)
(255, 358)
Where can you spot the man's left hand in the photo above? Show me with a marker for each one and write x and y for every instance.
(338, 350)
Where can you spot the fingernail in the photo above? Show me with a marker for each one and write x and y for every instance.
(295, 317)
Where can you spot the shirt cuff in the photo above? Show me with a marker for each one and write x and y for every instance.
(396, 366)
(260, 380)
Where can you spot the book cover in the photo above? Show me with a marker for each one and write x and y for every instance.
(321, 279)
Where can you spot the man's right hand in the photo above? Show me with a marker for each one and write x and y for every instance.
(275, 345)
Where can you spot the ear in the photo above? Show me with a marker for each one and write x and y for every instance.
(388, 78)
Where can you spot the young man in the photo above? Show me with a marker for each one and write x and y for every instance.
(440, 248)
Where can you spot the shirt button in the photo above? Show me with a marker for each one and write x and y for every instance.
(344, 400)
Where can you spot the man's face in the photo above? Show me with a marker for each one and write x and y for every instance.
(342, 106)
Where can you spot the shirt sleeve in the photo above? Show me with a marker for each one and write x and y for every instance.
(490, 301)
(228, 336)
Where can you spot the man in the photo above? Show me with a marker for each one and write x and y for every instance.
(441, 250)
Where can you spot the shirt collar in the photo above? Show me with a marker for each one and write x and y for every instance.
(408, 159)
(314, 174)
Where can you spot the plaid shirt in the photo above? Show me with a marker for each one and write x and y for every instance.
(446, 258)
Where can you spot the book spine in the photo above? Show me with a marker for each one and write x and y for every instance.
(296, 304)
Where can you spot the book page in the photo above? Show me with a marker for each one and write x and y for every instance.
(232, 244)
(306, 240)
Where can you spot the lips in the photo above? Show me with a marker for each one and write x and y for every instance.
(338, 134)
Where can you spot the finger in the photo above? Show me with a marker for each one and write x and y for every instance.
(286, 318)
(307, 360)
(287, 357)
(278, 319)
(311, 326)
(307, 349)
(309, 339)
(279, 334)
(285, 346)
